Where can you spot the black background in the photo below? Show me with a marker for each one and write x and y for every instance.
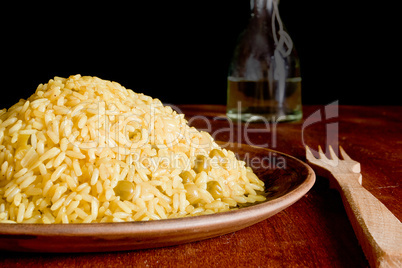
(179, 51)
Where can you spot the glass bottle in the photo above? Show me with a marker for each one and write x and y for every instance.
(264, 82)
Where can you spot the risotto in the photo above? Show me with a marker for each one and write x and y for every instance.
(82, 149)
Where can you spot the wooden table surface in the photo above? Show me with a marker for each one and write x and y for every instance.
(314, 232)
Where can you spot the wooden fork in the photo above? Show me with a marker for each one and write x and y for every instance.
(377, 229)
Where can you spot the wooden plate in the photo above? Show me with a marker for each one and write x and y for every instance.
(286, 179)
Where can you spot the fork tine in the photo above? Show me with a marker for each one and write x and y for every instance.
(314, 160)
(309, 154)
(332, 153)
(321, 153)
(355, 166)
(345, 156)
(321, 161)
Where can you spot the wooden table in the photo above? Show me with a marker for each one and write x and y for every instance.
(314, 232)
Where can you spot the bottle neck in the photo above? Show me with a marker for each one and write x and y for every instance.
(262, 8)
(265, 17)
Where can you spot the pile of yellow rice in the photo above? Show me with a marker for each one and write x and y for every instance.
(84, 150)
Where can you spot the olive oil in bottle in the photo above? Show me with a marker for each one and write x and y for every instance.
(257, 100)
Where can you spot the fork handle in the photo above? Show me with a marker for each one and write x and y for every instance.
(377, 229)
